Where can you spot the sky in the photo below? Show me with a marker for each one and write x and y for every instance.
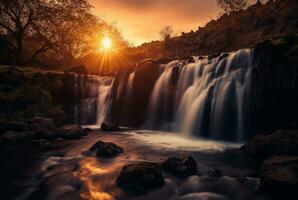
(141, 20)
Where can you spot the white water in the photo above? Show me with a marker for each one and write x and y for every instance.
(91, 93)
(211, 97)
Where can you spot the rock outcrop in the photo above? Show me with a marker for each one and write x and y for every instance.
(181, 166)
(106, 149)
(140, 178)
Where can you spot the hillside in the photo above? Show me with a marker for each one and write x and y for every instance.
(239, 29)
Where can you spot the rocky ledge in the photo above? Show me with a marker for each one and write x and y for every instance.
(277, 154)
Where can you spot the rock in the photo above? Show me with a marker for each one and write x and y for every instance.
(107, 127)
(106, 149)
(214, 172)
(13, 136)
(140, 178)
(12, 126)
(282, 142)
(279, 177)
(87, 130)
(182, 166)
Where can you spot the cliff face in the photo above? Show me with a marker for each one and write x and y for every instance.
(276, 83)
(241, 29)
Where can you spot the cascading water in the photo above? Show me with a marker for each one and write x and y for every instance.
(91, 98)
(210, 97)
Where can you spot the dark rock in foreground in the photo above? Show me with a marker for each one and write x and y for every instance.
(182, 166)
(108, 127)
(282, 142)
(279, 177)
(106, 149)
(140, 178)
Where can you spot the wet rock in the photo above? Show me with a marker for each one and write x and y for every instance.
(12, 126)
(181, 166)
(282, 142)
(13, 136)
(214, 172)
(106, 149)
(108, 127)
(87, 130)
(279, 177)
(141, 177)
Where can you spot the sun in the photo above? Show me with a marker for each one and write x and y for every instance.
(106, 43)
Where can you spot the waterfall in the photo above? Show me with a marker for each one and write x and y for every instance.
(210, 98)
(91, 99)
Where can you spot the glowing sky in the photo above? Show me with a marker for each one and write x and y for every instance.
(141, 20)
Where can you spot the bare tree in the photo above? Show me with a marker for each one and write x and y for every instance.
(166, 32)
(232, 5)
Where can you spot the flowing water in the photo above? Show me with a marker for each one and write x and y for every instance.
(91, 93)
(70, 173)
(211, 97)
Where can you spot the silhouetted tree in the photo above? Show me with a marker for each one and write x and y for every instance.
(61, 28)
(232, 5)
(166, 32)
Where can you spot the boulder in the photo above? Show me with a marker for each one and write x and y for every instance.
(140, 178)
(108, 127)
(181, 166)
(106, 149)
(12, 126)
(87, 130)
(279, 177)
(282, 142)
(214, 172)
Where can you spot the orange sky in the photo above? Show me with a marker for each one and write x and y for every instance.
(141, 20)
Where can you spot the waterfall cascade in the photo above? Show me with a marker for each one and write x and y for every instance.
(209, 97)
(91, 98)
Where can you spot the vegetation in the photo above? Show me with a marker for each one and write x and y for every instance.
(232, 5)
(50, 31)
(230, 32)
